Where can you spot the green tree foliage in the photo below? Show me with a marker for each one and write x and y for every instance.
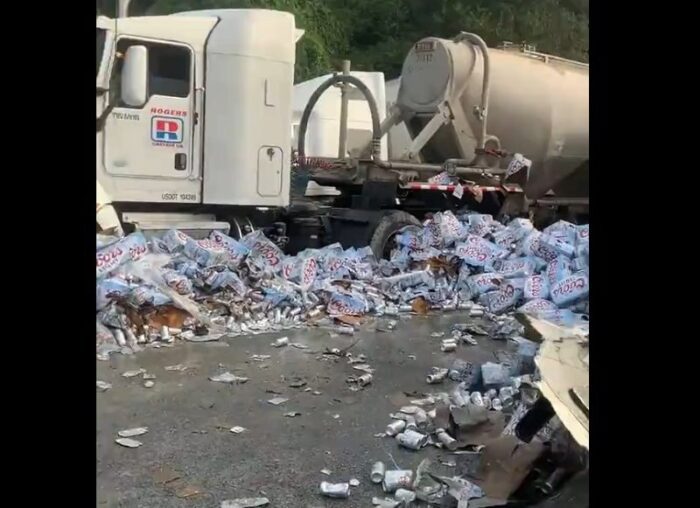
(377, 34)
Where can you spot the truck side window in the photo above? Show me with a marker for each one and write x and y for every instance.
(168, 69)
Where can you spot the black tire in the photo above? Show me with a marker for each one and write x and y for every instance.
(387, 228)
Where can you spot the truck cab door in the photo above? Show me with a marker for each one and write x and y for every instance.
(153, 141)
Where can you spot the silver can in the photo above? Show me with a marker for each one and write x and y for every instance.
(405, 308)
(165, 334)
(395, 427)
(397, 479)
(448, 346)
(295, 311)
(447, 441)
(437, 376)
(405, 496)
(364, 379)
(476, 312)
(281, 342)
(339, 490)
(491, 393)
(458, 398)
(496, 404)
(119, 337)
(344, 330)
(412, 440)
(377, 473)
(476, 399)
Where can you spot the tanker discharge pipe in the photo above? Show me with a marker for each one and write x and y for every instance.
(486, 87)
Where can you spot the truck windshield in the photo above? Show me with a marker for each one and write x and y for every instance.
(101, 35)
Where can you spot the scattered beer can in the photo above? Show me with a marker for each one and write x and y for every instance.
(165, 334)
(395, 427)
(438, 375)
(378, 471)
(405, 496)
(476, 399)
(128, 443)
(364, 380)
(448, 441)
(336, 490)
(496, 404)
(412, 439)
(137, 431)
(397, 479)
(281, 342)
(448, 346)
(119, 336)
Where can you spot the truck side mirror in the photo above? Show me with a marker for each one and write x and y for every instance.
(134, 82)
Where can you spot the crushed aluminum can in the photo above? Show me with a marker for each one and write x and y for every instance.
(496, 404)
(138, 431)
(227, 377)
(437, 375)
(448, 441)
(395, 427)
(178, 367)
(412, 440)
(276, 401)
(397, 479)
(405, 496)
(148, 384)
(133, 373)
(335, 490)
(364, 379)
(103, 386)
(377, 473)
(142, 339)
(343, 330)
(128, 443)
(281, 342)
(469, 339)
(237, 429)
(245, 502)
(354, 482)
(448, 346)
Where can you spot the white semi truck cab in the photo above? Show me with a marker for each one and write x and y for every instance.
(196, 111)
(195, 115)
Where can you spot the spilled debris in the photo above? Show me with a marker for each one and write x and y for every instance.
(498, 425)
(151, 292)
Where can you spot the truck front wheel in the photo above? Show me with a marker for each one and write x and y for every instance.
(382, 241)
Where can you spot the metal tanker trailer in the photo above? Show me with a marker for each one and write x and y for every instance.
(509, 126)
(516, 100)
